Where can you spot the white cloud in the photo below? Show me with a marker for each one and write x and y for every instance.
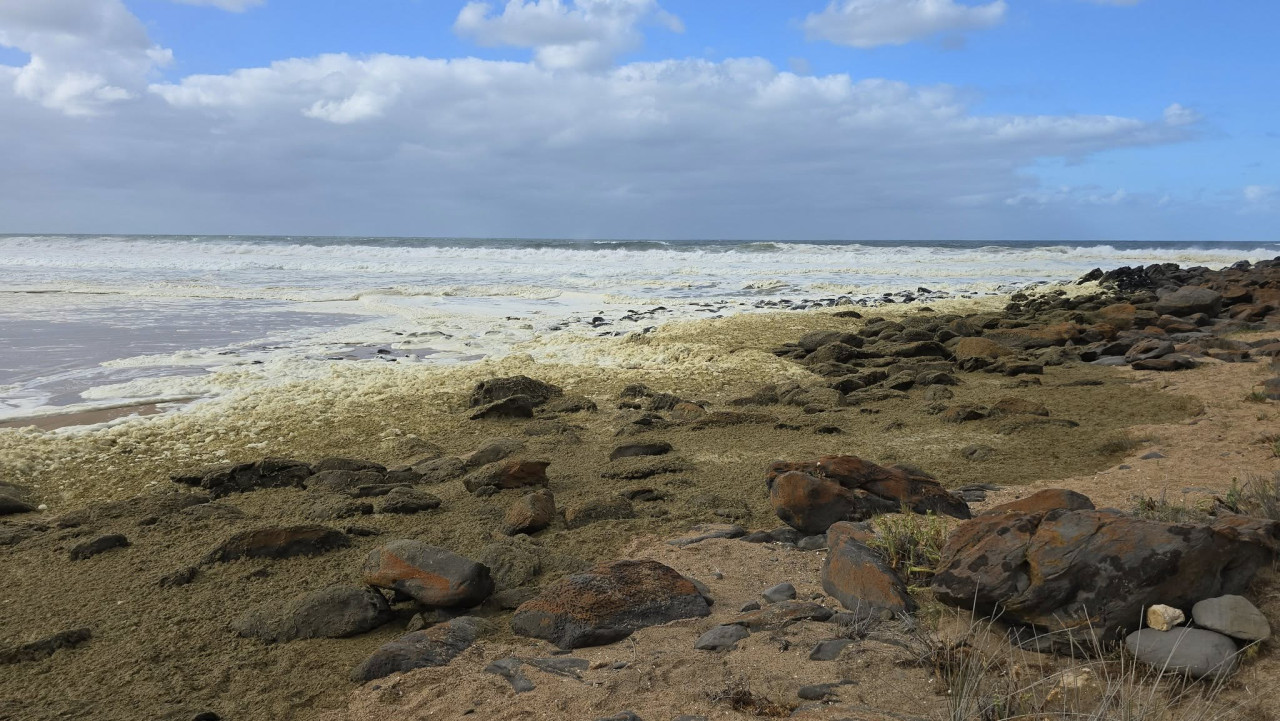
(1179, 115)
(84, 54)
(577, 34)
(235, 6)
(872, 23)
(1261, 198)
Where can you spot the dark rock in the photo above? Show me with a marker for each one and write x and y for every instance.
(1233, 616)
(779, 593)
(782, 614)
(608, 603)
(963, 414)
(707, 531)
(509, 668)
(622, 716)
(492, 452)
(571, 404)
(721, 638)
(225, 479)
(407, 500)
(334, 612)
(346, 464)
(498, 389)
(440, 470)
(432, 576)
(101, 544)
(45, 647)
(1062, 569)
(856, 576)
(435, 646)
(513, 407)
(816, 542)
(11, 502)
(602, 508)
(1171, 362)
(829, 650)
(530, 514)
(1193, 651)
(508, 474)
(1190, 300)
(180, 577)
(630, 450)
(344, 481)
(285, 542)
(817, 692)
(637, 468)
(1153, 455)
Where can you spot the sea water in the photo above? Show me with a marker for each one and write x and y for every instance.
(90, 322)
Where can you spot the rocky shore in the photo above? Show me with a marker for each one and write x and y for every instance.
(901, 512)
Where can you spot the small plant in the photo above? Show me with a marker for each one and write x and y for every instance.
(911, 543)
(1162, 509)
(1259, 496)
(737, 695)
(1256, 397)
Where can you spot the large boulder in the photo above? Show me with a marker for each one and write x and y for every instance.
(1044, 501)
(530, 514)
(875, 489)
(856, 576)
(508, 474)
(282, 542)
(1066, 569)
(498, 389)
(608, 603)
(810, 504)
(333, 612)
(1189, 300)
(432, 576)
(435, 646)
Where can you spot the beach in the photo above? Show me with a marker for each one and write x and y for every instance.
(315, 384)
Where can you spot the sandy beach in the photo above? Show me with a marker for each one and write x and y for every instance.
(168, 648)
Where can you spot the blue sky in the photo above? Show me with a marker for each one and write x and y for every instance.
(644, 118)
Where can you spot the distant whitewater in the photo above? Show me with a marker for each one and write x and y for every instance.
(94, 321)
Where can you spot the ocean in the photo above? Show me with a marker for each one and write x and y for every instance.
(98, 322)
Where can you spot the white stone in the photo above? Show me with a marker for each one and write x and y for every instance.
(1163, 618)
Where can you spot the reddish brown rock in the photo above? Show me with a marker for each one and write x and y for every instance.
(508, 474)
(977, 347)
(857, 577)
(608, 603)
(1120, 315)
(433, 576)
(279, 543)
(1096, 570)
(1044, 501)
(897, 486)
(686, 411)
(530, 514)
(811, 504)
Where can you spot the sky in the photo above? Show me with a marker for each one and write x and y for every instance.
(661, 119)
